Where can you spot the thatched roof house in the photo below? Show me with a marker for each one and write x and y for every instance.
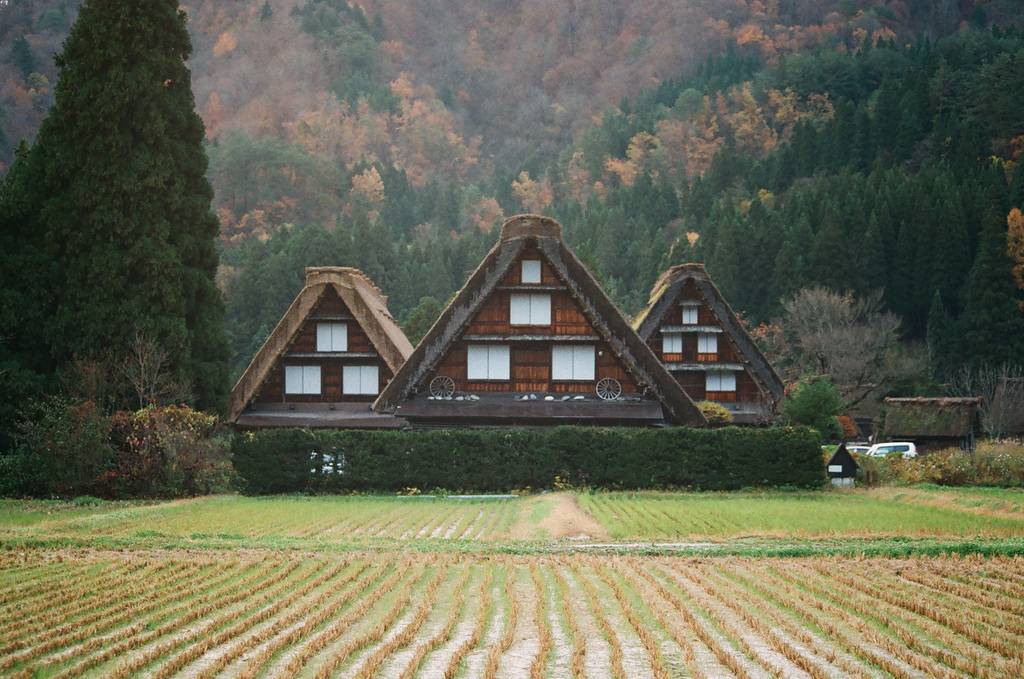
(327, 359)
(697, 335)
(531, 338)
(932, 422)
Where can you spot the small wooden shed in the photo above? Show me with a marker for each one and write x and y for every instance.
(932, 423)
(842, 468)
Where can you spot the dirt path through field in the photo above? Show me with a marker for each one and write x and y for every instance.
(564, 519)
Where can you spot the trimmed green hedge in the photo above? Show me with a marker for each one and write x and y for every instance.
(495, 460)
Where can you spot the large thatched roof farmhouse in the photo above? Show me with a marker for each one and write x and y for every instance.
(533, 339)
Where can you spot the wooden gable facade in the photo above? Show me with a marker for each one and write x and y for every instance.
(692, 329)
(327, 360)
(532, 338)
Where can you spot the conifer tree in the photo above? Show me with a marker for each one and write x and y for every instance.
(123, 198)
(991, 329)
(22, 57)
(936, 338)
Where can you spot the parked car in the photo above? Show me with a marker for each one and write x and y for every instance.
(905, 448)
(858, 448)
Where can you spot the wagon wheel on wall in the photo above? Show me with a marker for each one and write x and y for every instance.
(442, 387)
(608, 389)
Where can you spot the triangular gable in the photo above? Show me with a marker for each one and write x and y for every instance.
(364, 301)
(666, 294)
(543, 234)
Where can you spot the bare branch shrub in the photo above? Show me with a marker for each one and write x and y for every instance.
(853, 341)
(147, 371)
(1001, 389)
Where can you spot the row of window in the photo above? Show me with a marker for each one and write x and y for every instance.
(485, 362)
(356, 380)
(672, 343)
(493, 362)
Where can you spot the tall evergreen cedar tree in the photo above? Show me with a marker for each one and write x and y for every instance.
(991, 329)
(112, 206)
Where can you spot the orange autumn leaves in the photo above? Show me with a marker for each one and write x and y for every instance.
(684, 144)
(1015, 246)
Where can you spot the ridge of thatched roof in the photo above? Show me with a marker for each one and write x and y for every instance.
(363, 298)
(923, 417)
(546, 234)
(665, 292)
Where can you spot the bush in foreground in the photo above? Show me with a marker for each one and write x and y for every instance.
(494, 460)
(994, 463)
(68, 448)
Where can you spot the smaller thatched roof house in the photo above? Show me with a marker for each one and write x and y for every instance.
(690, 326)
(932, 423)
(333, 351)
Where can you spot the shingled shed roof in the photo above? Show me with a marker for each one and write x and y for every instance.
(368, 305)
(546, 234)
(930, 417)
(666, 292)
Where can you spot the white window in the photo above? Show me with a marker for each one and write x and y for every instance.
(331, 337)
(530, 309)
(720, 380)
(689, 315)
(572, 362)
(672, 343)
(359, 379)
(302, 379)
(531, 271)
(707, 344)
(488, 362)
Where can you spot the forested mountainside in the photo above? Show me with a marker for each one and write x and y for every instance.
(860, 145)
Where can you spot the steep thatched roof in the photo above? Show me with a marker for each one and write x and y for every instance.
(930, 417)
(546, 234)
(368, 305)
(666, 292)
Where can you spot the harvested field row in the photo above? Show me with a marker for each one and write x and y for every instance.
(316, 519)
(863, 513)
(177, 614)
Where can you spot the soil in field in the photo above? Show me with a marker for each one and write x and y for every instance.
(557, 516)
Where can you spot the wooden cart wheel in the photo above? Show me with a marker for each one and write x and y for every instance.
(442, 387)
(608, 389)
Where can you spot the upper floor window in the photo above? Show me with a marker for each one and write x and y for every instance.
(302, 379)
(707, 343)
(720, 380)
(531, 271)
(672, 343)
(359, 379)
(689, 315)
(572, 362)
(488, 362)
(332, 337)
(530, 309)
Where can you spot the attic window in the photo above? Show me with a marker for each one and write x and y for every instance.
(720, 380)
(572, 363)
(707, 343)
(360, 380)
(332, 337)
(672, 343)
(302, 379)
(689, 315)
(531, 271)
(530, 309)
(487, 362)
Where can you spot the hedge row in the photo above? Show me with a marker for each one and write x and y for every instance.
(496, 460)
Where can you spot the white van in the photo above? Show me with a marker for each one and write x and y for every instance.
(906, 448)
